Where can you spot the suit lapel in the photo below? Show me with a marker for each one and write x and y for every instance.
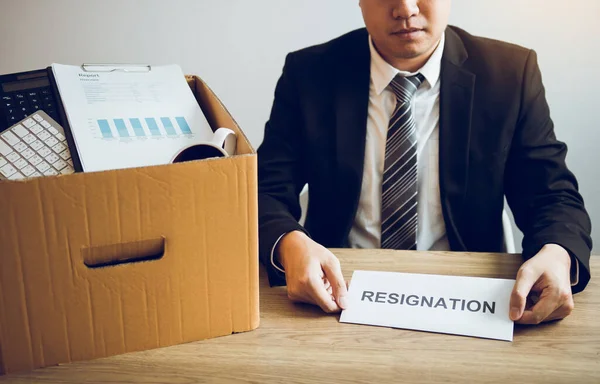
(456, 104)
(351, 104)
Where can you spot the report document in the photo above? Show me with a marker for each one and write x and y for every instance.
(123, 119)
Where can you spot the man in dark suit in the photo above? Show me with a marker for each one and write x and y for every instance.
(410, 133)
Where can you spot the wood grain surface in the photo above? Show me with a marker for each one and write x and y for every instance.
(298, 343)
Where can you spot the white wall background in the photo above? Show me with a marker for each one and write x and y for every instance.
(238, 47)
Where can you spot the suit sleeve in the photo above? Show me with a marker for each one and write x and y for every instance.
(541, 191)
(281, 170)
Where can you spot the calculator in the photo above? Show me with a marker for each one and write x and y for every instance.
(22, 94)
(35, 146)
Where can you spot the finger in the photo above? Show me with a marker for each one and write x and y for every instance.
(333, 272)
(558, 314)
(541, 311)
(300, 290)
(526, 278)
(306, 294)
(563, 311)
(300, 296)
(327, 284)
(321, 297)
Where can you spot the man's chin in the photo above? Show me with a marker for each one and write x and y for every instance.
(410, 50)
(408, 54)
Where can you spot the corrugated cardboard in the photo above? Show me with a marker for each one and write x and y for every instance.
(194, 225)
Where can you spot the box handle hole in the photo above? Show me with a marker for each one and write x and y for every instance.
(123, 253)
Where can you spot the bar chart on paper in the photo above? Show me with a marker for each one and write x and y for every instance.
(147, 127)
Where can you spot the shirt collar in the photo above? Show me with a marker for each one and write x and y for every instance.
(382, 72)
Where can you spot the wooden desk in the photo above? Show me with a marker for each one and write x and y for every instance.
(300, 344)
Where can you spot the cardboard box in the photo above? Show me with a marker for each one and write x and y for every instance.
(193, 224)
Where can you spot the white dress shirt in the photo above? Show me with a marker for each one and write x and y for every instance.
(431, 230)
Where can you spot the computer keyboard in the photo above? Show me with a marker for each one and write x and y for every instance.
(36, 146)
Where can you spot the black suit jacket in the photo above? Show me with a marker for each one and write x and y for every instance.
(496, 140)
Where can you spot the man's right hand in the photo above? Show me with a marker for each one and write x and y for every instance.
(312, 272)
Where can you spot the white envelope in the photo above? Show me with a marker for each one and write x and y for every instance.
(470, 306)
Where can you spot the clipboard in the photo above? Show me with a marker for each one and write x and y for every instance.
(62, 115)
(164, 118)
(103, 67)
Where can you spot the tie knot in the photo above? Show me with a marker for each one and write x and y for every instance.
(405, 87)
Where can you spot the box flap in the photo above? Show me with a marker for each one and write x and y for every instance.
(216, 114)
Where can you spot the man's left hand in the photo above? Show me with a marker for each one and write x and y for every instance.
(546, 275)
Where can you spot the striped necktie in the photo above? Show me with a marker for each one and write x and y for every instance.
(399, 185)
